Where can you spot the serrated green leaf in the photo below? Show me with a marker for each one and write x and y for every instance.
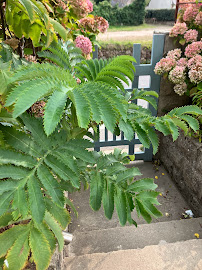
(96, 190)
(5, 219)
(115, 168)
(40, 249)
(128, 174)
(8, 237)
(162, 127)
(192, 122)
(43, 228)
(108, 198)
(10, 171)
(63, 171)
(18, 254)
(121, 206)
(20, 202)
(127, 128)
(142, 135)
(59, 28)
(59, 213)
(51, 185)
(191, 109)
(173, 129)
(20, 141)
(6, 198)
(36, 201)
(11, 157)
(142, 184)
(54, 110)
(142, 211)
(181, 124)
(54, 226)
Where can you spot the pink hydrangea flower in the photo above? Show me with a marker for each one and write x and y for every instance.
(191, 35)
(174, 54)
(177, 75)
(195, 60)
(178, 29)
(164, 65)
(84, 44)
(190, 14)
(193, 49)
(81, 8)
(182, 62)
(195, 73)
(94, 24)
(198, 19)
(180, 89)
(103, 24)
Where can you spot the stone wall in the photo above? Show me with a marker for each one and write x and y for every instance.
(168, 99)
(183, 160)
(112, 50)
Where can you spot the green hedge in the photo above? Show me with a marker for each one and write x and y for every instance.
(161, 14)
(133, 14)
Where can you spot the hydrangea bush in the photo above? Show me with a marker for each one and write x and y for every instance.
(183, 66)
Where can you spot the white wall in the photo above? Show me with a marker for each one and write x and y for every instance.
(161, 4)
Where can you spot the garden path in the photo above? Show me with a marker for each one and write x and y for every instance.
(133, 36)
(100, 244)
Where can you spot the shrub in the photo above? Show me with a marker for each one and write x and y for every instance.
(184, 66)
(129, 15)
(161, 14)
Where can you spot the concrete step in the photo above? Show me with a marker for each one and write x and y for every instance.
(130, 237)
(176, 256)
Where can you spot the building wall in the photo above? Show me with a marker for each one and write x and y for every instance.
(161, 4)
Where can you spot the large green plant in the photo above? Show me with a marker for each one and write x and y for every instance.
(42, 158)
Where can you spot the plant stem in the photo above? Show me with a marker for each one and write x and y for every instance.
(2, 20)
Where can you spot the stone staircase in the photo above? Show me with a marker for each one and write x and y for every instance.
(168, 243)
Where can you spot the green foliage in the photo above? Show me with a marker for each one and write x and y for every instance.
(112, 184)
(113, 72)
(41, 158)
(161, 14)
(87, 98)
(132, 14)
(57, 53)
(30, 19)
(142, 121)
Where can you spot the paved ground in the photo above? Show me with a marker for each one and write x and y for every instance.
(133, 36)
(176, 256)
(172, 203)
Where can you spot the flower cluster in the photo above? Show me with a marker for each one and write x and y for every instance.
(81, 8)
(174, 54)
(191, 35)
(63, 5)
(180, 89)
(198, 19)
(164, 65)
(193, 49)
(184, 66)
(94, 24)
(190, 14)
(84, 44)
(177, 75)
(195, 73)
(182, 62)
(178, 29)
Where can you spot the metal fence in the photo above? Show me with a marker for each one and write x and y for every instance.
(144, 78)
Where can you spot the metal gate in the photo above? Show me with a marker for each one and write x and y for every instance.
(144, 73)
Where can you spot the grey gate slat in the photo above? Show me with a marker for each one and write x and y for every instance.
(141, 70)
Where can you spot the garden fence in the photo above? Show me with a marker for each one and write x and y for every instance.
(144, 78)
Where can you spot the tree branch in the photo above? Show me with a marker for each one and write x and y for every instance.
(2, 20)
